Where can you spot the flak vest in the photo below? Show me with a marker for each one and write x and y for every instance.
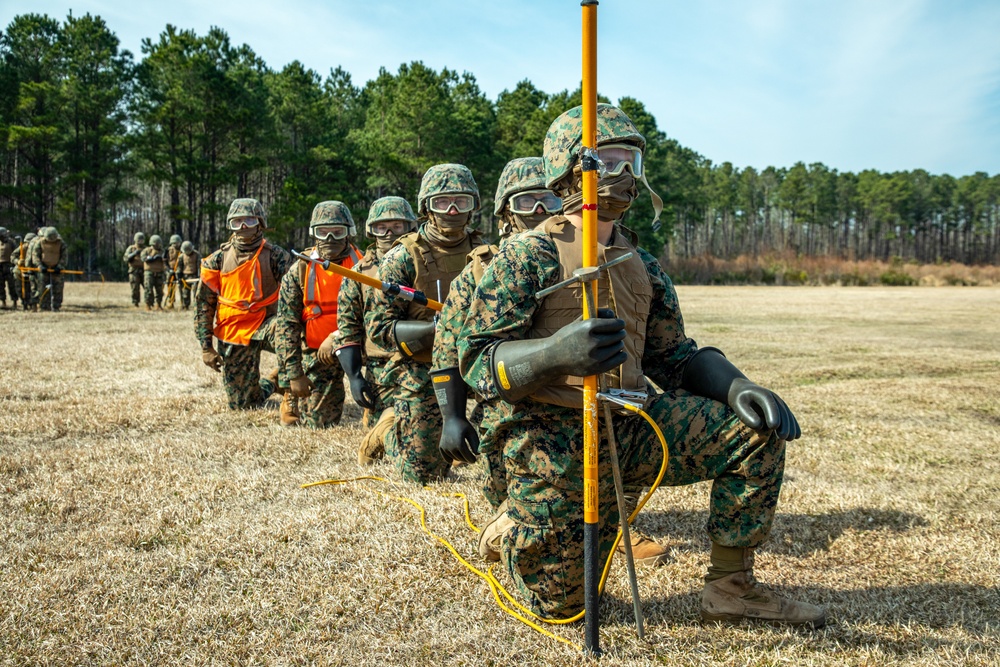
(480, 258)
(6, 251)
(369, 267)
(320, 290)
(158, 265)
(625, 288)
(51, 252)
(187, 264)
(432, 264)
(248, 293)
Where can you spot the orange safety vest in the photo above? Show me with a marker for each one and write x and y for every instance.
(321, 289)
(242, 303)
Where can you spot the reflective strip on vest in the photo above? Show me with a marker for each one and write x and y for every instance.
(319, 300)
(242, 304)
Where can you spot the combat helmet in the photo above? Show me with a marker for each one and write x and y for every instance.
(176, 238)
(3, 232)
(187, 247)
(139, 238)
(388, 209)
(444, 179)
(51, 234)
(565, 138)
(30, 236)
(247, 208)
(523, 173)
(156, 241)
(332, 212)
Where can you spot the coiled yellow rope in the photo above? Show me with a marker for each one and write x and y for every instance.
(520, 612)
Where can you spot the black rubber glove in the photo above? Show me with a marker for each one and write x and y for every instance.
(55, 270)
(413, 336)
(710, 374)
(361, 390)
(459, 439)
(584, 347)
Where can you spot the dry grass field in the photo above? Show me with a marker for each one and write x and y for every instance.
(143, 523)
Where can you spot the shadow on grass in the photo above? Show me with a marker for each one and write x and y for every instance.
(792, 534)
(968, 607)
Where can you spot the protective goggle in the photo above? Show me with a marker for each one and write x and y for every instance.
(246, 222)
(444, 203)
(385, 227)
(527, 203)
(325, 232)
(616, 157)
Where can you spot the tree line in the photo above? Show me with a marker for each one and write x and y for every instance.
(101, 144)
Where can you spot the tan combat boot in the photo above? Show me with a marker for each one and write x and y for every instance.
(491, 535)
(644, 550)
(373, 444)
(289, 410)
(739, 597)
(149, 307)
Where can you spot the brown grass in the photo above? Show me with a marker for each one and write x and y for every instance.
(791, 269)
(146, 524)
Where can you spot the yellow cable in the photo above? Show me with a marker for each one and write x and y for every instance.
(495, 586)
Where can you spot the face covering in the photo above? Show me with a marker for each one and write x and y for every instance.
(248, 238)
(383, 243)
(447, 230)
(512, 223)
(614, 196)
(333, 249)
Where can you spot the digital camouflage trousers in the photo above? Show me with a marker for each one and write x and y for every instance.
(325, 404)
(7, 282)
(153, 285)
(245, 388)
(412, 444)
(375, 373)
(49, 287)
(135, 284)
(543, 552)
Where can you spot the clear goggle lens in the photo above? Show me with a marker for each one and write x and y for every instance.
(445, 203)
(325, 232)
(385, 227)
(243, 223)
(527, 203)
(616, 157)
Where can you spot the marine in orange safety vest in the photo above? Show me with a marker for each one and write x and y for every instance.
(236, 302)
(307, 317)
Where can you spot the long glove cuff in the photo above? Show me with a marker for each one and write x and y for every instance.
(710, 374)
(451, 392)
(350, 360)
(521, 367)
(413, 336)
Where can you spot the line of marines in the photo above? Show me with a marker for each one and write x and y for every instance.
(519, 356)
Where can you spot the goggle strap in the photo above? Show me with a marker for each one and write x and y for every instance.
(657, 203)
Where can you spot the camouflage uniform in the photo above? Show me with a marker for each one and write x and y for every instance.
(245, 388)
(7, 284)
(134, 261)
(173, 257)
(412, 444)
(23, 279)
(354, 295)
(325, 404)
(186, 275)
(48, 255)
(154, 265)
(519, 175)
(543, 441)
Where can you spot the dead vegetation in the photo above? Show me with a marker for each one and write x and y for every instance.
(146, 524)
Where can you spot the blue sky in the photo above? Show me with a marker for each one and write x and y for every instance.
(890, 85)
